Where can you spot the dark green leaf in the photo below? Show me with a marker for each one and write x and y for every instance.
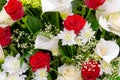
(33, 24)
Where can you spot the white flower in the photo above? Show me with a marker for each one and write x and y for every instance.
(111, 24)
(1, 54)
(5, 19)
(104, 24)
(108, 7)
(109, 16)
(107, 50)
(105, 67)
(79, 41)
(43, 42)
(41, 74)
(15, 77)
(2, 76)
(63, 6)
(68, 37)
(12, 65)
(68, 73)
(86, 34)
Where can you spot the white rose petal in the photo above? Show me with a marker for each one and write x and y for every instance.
(109, 6)
(68, 73)
(108, 50)
(109, 16)
(111, 24)
(104, 24)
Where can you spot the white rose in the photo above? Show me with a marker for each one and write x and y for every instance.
(108, 7)
(63, 6)
(68, 73)
(109, 16)
(114, 21)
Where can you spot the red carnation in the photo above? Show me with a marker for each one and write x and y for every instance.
(74, 22)
(40, 60)
(90, 70)
(14, 9)
(5, 36)
(94, 4)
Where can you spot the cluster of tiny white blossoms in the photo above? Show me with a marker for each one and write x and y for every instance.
(70, 38)
(12, 69)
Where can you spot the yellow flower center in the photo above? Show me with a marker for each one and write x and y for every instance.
(55, 52)
(42, 74)
(103, 51)
(78, 41)
(67, 37)
(87, 35)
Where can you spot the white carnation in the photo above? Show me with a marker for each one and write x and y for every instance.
(12, 65)
(2, 76)
(86, 34)
(41, 74)
(15, 77)
(68, 37)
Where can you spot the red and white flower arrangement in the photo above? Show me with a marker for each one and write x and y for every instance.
(60, 40)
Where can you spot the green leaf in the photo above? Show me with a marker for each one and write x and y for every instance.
(67, 60)
(32, 23)
(117, 78)
(49, 77)
(2, 3)
(21, 61)
(13, 49)
(53, 18)
(62, 51)
(92, 19)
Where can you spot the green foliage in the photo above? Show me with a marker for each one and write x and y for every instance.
(2, 3)
(32, 23)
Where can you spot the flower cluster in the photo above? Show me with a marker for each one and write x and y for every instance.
(60, 40)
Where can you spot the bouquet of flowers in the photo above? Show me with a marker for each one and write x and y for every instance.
(59, 40)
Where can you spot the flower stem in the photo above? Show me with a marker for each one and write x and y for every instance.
(89, 12)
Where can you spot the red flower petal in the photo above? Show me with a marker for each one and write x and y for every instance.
(40, 60)
(5, 36)
(14, 9)
(94, 4)
(74, 22)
